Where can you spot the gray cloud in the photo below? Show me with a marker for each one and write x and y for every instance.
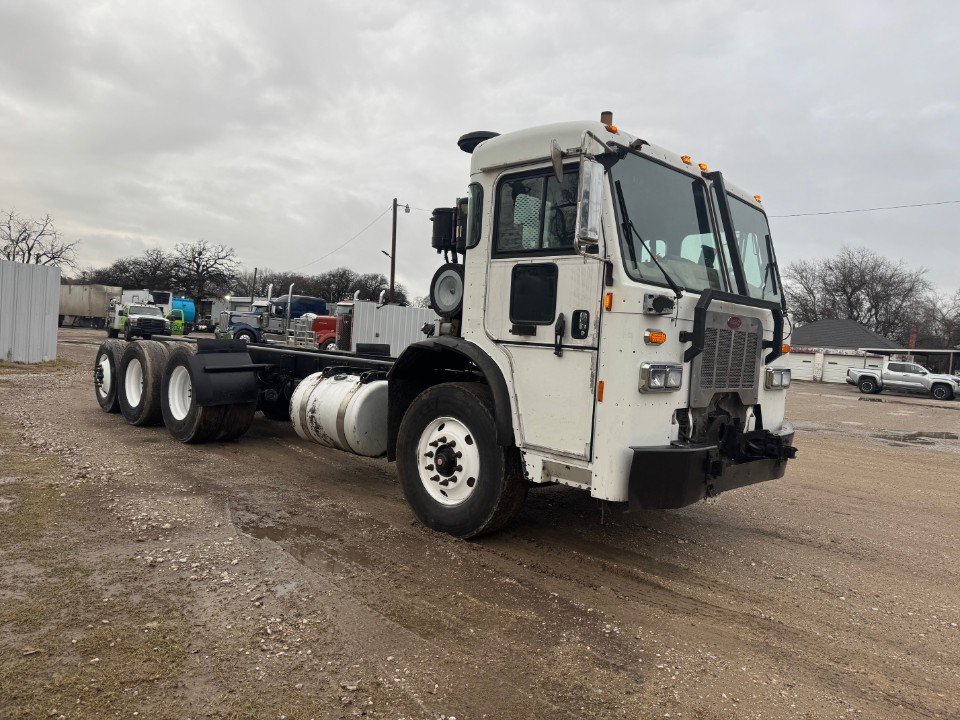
(284, 128)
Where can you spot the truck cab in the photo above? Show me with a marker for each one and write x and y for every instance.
(270, 318)
(625, 307)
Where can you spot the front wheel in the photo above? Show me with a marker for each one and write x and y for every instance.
(330, 345)
(941, 392)
(455, 475)
(867, 386)
(246, 336)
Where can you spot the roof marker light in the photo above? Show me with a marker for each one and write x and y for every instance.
(757, 198)
(702, 166)
(685, 159)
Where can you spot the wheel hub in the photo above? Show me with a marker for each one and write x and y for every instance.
(448, 461)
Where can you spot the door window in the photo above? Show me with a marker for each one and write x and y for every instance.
(533, 294)
(536, 214)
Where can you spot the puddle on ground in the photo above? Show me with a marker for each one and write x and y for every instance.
(920, 437)
(310, 545)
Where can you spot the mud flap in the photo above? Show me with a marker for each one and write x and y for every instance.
(223, 373)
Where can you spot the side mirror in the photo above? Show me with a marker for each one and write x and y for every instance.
(586, 241)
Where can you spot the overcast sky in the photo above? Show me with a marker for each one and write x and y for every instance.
(283, 128)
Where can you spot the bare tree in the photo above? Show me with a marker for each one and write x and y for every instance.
(857, 284)
(203, 268)
(35, 242)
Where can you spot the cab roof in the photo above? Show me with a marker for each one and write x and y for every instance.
(523, 147)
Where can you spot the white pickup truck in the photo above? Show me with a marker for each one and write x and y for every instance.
(906, 377)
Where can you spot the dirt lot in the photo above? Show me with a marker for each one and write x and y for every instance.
(271, 578)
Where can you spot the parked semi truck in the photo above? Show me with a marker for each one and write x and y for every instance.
(905, 377)
(611, 318)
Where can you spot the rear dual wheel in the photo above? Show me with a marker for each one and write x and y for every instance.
(140, 373)
(189, 422)
(106, 369)
(455, 475)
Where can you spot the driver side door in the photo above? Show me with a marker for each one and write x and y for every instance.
(541, 308)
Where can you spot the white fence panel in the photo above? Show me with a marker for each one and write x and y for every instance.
(29, 303)
(393, 325)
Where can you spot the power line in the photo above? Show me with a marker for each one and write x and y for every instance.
(344, 244)
(860, 210)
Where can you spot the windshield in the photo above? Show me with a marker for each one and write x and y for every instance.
(145, 310)
(754, 247)
(668, 209)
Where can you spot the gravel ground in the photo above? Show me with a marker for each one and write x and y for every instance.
(271, 578)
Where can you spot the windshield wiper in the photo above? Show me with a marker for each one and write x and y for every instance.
(630, 229)
(774, 267)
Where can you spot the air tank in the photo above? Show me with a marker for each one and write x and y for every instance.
(342, 411)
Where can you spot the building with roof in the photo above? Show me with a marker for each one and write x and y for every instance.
(825, 349)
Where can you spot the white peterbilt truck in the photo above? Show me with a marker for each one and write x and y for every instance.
(611, 319)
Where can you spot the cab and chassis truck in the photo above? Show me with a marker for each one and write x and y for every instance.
(612, 319)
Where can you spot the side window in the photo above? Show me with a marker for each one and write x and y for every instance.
(474, 214)
(535, 213)
(533, 294)
(895, 367)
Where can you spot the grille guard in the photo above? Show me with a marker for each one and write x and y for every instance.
(697, 337)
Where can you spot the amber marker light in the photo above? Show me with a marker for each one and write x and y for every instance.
(757, 198)
(784, 349)
(702, 166)
(685, 159)
(654, 337)
(600, 391)
(608, 301)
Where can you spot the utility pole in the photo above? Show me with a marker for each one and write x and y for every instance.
(253, 288)
(393, 249)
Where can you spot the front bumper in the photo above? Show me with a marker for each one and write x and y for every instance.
(681, 474)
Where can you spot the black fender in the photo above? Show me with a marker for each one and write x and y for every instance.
(223, 374)
(444, 359)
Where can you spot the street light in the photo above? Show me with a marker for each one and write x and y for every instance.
(393, 246)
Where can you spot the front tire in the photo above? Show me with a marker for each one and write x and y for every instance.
(941, 392)
(868, 386)
(455, 475)
(246, 336)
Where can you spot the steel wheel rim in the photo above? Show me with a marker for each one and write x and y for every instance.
(133, 382)
(443, 442)
(180, 392)
(106, 377)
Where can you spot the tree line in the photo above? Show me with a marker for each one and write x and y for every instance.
(202, 269)
(884, 295)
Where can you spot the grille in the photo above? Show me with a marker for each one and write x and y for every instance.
(152, 326)
(729, 359)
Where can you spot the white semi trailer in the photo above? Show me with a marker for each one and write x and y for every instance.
(612, 319)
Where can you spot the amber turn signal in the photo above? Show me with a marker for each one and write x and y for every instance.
(784, 349)
(654, 337)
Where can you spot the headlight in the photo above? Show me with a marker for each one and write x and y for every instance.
(660, 377)
(778, 378)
